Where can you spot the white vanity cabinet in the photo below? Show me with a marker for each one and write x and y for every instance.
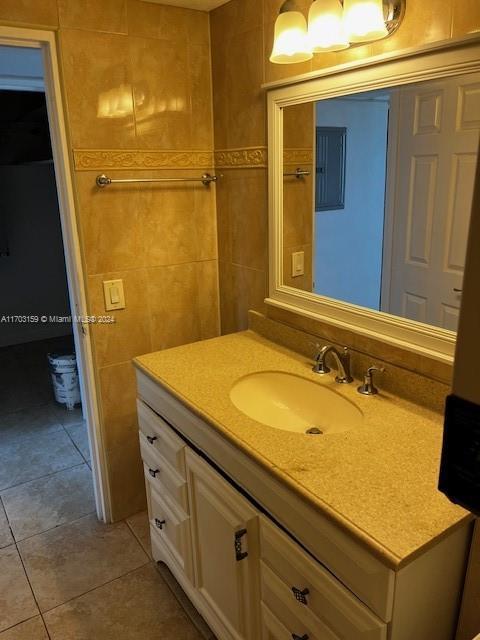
(220, 524)
(249, 579)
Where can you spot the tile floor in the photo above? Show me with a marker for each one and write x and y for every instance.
(63, 574)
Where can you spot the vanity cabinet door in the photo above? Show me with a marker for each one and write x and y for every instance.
(224, 529)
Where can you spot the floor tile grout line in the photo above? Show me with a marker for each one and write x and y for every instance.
(44, 430)
(57, 526)
(28, 579)
(40, 612)
(8, 523)
(47, 475)
(98, 586)
(137, 538)
(73, 441)
(17, 624)
(45, 626)
(64, 524)
(148, 561)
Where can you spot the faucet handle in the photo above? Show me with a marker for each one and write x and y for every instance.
(368, 388)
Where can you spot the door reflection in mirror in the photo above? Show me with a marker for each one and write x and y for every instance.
(394, 236)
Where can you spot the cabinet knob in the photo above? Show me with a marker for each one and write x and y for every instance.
(153, 472)
(295, 637)
(160, 523)
(152, 439)
(300, 594)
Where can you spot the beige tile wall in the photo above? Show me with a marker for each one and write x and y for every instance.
(148, 67)
(240, 122)
(298, 136)
(248, 21)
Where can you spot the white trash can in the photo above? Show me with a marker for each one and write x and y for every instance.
(64, 373)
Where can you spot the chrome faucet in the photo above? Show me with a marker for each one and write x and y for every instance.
(342, 361)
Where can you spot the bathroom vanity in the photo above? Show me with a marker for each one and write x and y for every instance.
(280, 535)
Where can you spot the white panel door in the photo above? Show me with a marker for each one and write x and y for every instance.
(225, 551)
(438, 135)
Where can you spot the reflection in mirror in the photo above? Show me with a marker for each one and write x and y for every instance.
(380, 216)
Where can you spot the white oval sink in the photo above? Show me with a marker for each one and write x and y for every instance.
(292, 403)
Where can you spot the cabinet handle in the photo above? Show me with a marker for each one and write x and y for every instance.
(160, 523)
(153, 472)
(239, 554)
(300, 595)
(152, 439)
(295, 637)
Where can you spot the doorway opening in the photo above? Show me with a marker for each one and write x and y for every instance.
(349, 221)
(51, 455)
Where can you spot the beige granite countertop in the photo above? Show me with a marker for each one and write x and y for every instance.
(378, 481)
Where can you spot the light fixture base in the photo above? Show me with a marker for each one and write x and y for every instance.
(394, 12)
(289, 5)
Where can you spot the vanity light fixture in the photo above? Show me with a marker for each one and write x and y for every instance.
(364, 20)
(333, 25)
(326, 29)
(291, 43)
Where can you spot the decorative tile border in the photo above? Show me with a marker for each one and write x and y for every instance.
(99, 159)
(257, 157)
(298, 156)
(246, 158)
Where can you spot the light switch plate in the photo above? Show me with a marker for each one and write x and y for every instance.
(114, 295)
(298, 264)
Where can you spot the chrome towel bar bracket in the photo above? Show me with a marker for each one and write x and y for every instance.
(104, 181)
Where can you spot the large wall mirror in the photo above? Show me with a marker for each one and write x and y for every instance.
(371, 191)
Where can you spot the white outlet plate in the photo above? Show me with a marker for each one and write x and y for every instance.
(298, 264)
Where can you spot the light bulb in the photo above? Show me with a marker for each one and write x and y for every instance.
(326, 30)
(291, 42)
(364, 20)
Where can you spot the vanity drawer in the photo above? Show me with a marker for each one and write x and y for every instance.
(161, 475)
(274, 629)
(161, 437)
(171, 527)
(326, 606)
